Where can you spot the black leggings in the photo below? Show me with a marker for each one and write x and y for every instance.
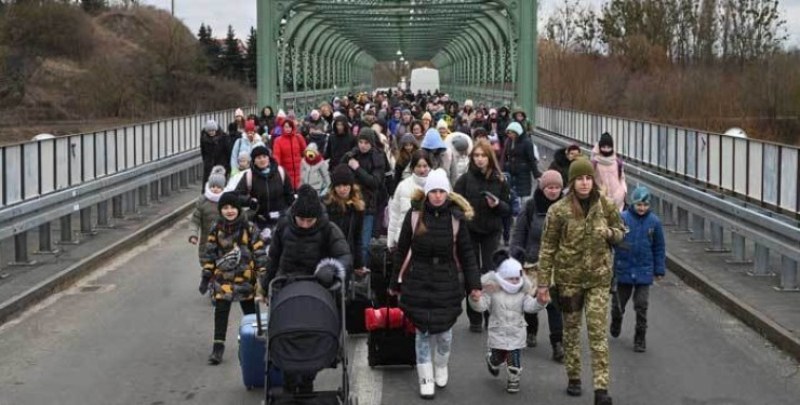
(484, 246)
(222, 309)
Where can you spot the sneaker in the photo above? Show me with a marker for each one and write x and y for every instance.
(616, 326)
(639, 345)
(574, 388)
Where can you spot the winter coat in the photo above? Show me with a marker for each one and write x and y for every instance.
(288, 151)
(243, 144)
(205, 214)
(520, 161)
(370, 175)
(296, 250)
(459, 163)
(237, 283)
(215, 151)
(273, 191)
(431, 288)
(527, 233)
(441, 156)
(641, 255)
(400, 204)
(487, 220)
(610, 177)
(561, 164)
(507, 326)
(317, 176)
(339, 144)
(572, 252)
(320, 139)
(350, 221)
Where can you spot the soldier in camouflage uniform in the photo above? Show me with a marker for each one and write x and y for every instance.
(576, 257)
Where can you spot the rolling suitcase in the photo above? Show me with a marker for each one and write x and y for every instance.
(358, 299)
(380, 265)
(391, 346)
(252, 353)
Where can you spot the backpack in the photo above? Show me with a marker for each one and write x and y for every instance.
(415, 218)
(249, 178)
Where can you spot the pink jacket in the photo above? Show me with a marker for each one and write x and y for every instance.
(610, 177)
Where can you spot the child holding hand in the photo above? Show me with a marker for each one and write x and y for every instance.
(507, 295)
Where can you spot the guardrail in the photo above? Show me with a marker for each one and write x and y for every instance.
(311, 99)
(764, 172)
(690, 209)
(34, 169)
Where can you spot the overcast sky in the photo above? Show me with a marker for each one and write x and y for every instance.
(241, 14)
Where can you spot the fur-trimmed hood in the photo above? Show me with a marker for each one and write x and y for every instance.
(458, 200)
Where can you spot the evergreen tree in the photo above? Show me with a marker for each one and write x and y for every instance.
(251, 58)
(211, 49)
(232, 61)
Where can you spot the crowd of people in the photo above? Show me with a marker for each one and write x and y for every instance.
(457, 193)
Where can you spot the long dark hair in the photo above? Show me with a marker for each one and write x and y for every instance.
(575, 203)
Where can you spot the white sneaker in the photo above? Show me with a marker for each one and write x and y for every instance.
(427, 389)
(440, 374)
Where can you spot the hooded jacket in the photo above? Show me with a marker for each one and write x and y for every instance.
(560, 164)
(316, 175)
(339, 144)
(521, 163)
(642, 254)
(273, 192)
(431, 289)
(459, 161)
(527, 233)
(288, 152)
(610, 177)
(507, 326)
(441, 156)
(243, 144)
(238, 283)
(369, 175)
(400, 204)
(215, 151)
(350, 221)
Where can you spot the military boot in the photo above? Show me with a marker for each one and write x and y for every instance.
(639, 345)
(601, 398)
(216, 353)
(574, 387)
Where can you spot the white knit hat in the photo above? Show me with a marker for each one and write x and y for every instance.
(437, 180)
(507, 269)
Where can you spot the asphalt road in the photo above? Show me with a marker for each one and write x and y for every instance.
(137, 332)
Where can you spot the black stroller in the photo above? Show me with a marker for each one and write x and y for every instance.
(306, 335)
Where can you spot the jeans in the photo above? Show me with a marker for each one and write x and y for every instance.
(425, 340)
(222, 309)
(511, 357)
(366, 236)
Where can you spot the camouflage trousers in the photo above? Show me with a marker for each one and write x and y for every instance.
(574, 302)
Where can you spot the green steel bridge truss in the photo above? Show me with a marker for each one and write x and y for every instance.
(310, 50)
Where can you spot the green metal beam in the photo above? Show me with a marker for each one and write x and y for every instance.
(526, 80)
(267, 65)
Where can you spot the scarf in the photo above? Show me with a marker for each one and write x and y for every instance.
(508, 286)
(210, 196)
(419, 180)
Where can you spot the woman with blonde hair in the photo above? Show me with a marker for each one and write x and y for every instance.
(345, 207)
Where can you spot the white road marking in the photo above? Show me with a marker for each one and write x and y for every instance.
(367, 382)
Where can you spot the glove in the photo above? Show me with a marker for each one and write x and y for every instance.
(253, 204)
(203, 286)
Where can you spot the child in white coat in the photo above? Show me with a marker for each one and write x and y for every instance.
(507, 296)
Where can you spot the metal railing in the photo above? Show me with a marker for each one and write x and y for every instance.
(34, 169)
(764, 172)
(691, 209)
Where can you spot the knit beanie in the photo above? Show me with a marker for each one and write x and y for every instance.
(468, 103)
(307, 204)
(238, 113)
(229, 198)
(437, 180)
(509, 268)
(427, 116)
(515, 127)
(550, 178)
(640, 195)
(342, 175)
(211, 125)
(259, 150)
(367, 134)
(312, 150)
(433, 140)
(441, 124)
(406, 139)
(606, 140)
(580, 167)
(217, 177)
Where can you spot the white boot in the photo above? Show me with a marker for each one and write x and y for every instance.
(440, 369)
(426, 385)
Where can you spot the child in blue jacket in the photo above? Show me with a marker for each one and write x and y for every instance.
(637, 261)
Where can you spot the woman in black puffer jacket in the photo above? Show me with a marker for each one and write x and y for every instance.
(345, 208)
(432, 256)
(489, 194)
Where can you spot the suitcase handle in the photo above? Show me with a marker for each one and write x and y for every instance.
(259, 323)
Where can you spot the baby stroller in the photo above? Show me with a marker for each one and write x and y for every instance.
(306, 335)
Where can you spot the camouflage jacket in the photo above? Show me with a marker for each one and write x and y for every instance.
(573, 251)
(234, 281)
